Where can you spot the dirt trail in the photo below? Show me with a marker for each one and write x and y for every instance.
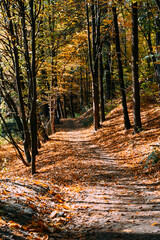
(103, 200)
(106, 200)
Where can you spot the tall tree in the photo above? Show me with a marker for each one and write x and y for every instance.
(158, 50)
(101, 88)
(53, 81)
(135, 75)
(18, 23)
(93, 51)
(33, 114)
(5, 6)
(120, 68)
(100, 64)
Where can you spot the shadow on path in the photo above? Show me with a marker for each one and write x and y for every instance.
(109, 197)
(99, 235)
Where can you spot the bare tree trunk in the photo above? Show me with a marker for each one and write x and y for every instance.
(121, 79)
(61, 112)
(101, 74)
(53, 83)
(93, 51)
(81, 90)
(71, 104)
(108, 81)
(33, 115)
(52, 114)
(158, 51)
(87, 89)
(64, 106)
(26, 142)
(41, 129)
(26, 48)
(135, 75)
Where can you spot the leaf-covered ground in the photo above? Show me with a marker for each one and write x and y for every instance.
(102, 185)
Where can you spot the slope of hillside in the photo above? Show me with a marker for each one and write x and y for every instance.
(79, 172)
(136, 151)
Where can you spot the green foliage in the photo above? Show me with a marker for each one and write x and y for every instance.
(11, 125)
(110, 106)
(87, 121)
(148, 91)
(77, 115)
(153, 158)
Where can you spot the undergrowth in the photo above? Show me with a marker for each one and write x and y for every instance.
(153, 158)
(87, 121)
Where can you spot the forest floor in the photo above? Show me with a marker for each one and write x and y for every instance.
(88, 185)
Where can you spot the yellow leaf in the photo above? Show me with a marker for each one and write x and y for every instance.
(66, 207)
(154, 224)
(14, 225)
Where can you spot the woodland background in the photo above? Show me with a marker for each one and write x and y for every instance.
(79, 119)
(60, 58)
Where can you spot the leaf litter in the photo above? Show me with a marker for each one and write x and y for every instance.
(86, 183)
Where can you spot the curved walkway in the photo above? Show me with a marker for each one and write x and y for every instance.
(106, 200)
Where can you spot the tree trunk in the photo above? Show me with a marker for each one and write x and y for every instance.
(108, 81)
(81, 90)
(71, 104)
(93, 51)
(52, 115)
(26, 142)
(87, 90)
(26, 48)
(64, 106)
(149, 68)
(41, 129)
(60, 108)
(53, 84)
(33, 115)
(135, 75)
(59, 114)
(121, 80)
(158, 51)
(95, 47)
(158, 45)
(101, 73)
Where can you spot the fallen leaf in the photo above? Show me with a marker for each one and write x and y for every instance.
(53, 214)
(154, 224)
(14, 225)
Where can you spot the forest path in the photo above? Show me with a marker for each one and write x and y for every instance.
(107, 201)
